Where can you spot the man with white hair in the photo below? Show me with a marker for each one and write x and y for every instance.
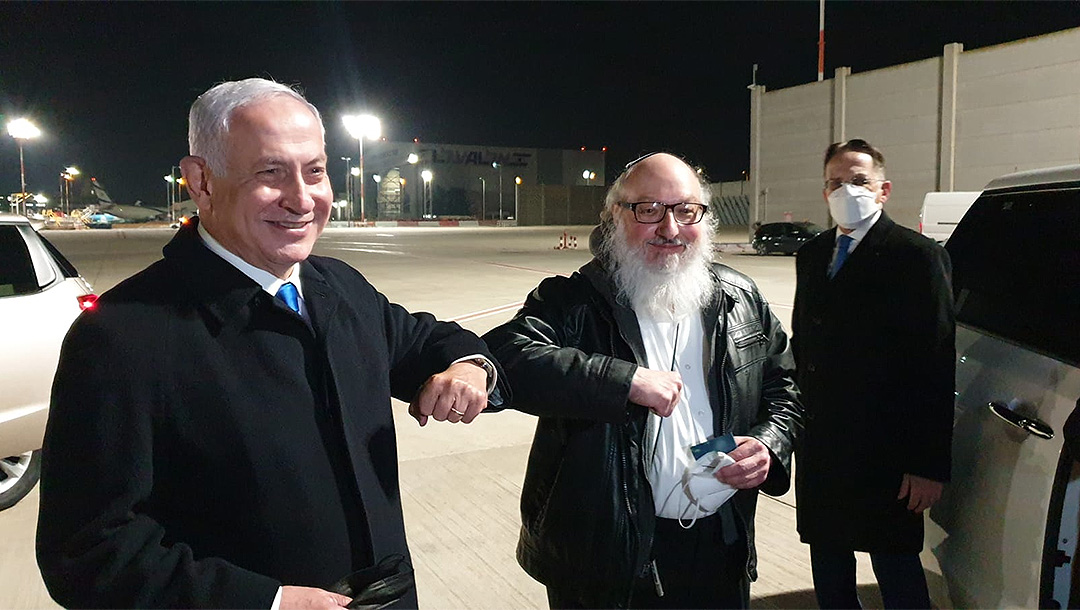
(220, 432)
(664, 388)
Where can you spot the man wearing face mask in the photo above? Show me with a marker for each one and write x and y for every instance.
(873, 331)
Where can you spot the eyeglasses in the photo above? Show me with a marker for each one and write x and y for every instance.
(652, 212)
(833, 184)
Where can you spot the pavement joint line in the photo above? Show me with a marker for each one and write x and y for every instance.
(487, 312)
(544, 271)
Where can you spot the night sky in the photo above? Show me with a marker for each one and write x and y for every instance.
(110, 84)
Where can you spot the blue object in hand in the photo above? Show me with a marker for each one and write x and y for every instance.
(725, 443)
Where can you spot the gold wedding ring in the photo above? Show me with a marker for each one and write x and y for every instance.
(456, 411)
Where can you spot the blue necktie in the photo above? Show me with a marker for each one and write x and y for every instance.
(287, 293)
(842, 247)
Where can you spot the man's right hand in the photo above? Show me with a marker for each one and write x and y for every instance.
(656, 390)
(309, 598)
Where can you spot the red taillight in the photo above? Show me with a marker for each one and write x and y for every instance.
(87, 301)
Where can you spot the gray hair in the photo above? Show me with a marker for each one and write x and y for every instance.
(208, 121)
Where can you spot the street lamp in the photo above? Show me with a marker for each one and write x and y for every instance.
(22, 129)
(429, 203)
(355, 173)
(360, 127)
(71, 173)
(66, 177)
(498, 166)
(589, 176)
(413, 159)
(178, 191)
(348, 182)
(517, 185)
(170, 189)
(483, 198)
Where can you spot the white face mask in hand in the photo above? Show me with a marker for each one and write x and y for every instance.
(704, 490)
(850, 205)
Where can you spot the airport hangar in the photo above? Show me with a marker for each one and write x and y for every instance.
(537, 186)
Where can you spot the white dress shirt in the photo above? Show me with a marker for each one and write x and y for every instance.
(676, 346)
(857, 234)
(269, 282)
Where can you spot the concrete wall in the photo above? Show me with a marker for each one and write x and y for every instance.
(952, 122)
(1018, 108)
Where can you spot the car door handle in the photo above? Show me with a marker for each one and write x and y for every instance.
(1027, 424)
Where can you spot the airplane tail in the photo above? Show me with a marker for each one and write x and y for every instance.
(99, 192)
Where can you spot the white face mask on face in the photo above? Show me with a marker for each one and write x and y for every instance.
(850, 205)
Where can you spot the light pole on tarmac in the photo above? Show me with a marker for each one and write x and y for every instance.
(22, 129)
(360, 127)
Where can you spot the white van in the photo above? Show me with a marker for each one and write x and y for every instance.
(941, 212)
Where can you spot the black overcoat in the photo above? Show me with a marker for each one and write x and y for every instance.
(876, 364)
(206, 445)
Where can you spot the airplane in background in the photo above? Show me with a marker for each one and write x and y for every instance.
(110, 212)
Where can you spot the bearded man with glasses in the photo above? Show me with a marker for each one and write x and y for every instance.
(664, 387)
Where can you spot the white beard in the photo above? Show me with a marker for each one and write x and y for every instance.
(669, 289)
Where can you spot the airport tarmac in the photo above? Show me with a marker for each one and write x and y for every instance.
(460, 484)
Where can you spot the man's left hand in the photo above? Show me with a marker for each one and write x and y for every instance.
(921, 493)
(751, 467)
(457, 394)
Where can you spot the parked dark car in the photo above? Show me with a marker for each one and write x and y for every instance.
(783, 237)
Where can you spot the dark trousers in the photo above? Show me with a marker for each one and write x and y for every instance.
(696, 568)
(900, 577)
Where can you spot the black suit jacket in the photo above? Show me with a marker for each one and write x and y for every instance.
(875, 356)
(206, 445)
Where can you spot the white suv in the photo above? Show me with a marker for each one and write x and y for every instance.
(1010, 517)
(41, 294)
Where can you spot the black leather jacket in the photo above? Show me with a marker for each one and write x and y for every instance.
(586, 506)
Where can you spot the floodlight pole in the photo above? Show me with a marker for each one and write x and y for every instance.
(22, 177)
(483, 198)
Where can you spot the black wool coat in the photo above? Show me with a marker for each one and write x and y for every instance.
(875, 356)
(206, 445)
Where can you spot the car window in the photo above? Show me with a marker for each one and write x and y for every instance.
(1016, 269)
(61, 261)
(44, 267)
(17, 274)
